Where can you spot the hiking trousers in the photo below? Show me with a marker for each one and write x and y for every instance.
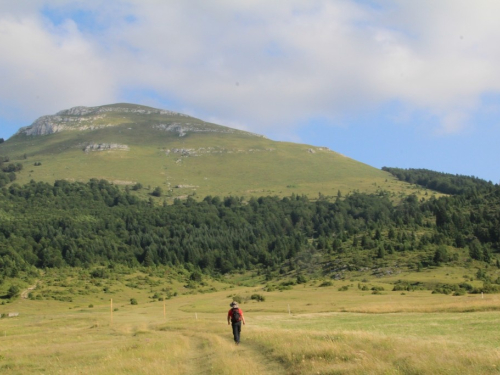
(236, 331)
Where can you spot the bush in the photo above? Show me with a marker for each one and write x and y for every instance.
(326, 283)
(157, 192)
(301, 279)
(133, 301)
(270, 288)
(13, 291)
(258, 297)
(195, 276)
(344, 288)
(99, 273)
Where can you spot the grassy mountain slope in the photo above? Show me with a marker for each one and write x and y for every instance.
(183, 155)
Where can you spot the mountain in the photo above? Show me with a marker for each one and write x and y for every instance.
(127, 144)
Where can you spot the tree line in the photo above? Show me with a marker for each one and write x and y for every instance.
(442, 182)
(83, 224)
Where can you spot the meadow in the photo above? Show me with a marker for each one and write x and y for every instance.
(76, 324)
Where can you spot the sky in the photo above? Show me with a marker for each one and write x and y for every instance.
(408, 84)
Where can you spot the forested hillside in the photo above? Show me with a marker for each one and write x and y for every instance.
(84, 224)
(443, 182)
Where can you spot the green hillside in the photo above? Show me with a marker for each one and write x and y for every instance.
(127, 144)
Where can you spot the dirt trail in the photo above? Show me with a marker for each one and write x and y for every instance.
(212, 353)
(25, 293)
(248, 358)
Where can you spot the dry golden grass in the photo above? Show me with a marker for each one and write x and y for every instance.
(326, 332)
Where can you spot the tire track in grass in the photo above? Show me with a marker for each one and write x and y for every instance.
(212, 353)
(253, 358)
(199, 361)
(262, 363)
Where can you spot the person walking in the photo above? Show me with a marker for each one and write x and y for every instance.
(235, 318)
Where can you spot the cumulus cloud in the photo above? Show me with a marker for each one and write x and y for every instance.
(258, 64)
(46, 69)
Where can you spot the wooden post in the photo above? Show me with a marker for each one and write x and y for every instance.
(111, 310)
(164, 311)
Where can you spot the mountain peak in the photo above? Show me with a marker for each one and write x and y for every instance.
(119, 107)
(88, 118)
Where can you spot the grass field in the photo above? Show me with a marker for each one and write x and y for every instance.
(307, 329)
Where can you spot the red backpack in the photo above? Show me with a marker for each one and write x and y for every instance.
(236, 317)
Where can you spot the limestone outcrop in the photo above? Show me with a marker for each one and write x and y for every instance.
(85, 118)
(183, 129)
(105, 147)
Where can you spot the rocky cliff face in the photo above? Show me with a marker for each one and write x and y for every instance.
(56, 123)
(85, 118)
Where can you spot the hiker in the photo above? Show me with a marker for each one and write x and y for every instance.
(235, 317)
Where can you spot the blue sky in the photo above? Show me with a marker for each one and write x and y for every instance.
(411, 84)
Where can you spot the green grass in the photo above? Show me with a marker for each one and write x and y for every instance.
(305, 330)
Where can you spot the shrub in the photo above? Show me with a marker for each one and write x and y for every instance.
(326, 283)
(137, 186)
(301, 279)
(157, 192)
(344, 288)
(133, 301)
(258, 297)
(195, 276)
(99, 273)
(13, 291)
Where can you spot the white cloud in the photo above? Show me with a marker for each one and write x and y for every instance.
(259, 64)
(45, 68)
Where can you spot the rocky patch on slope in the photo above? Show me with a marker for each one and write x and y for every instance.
(105, 147)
